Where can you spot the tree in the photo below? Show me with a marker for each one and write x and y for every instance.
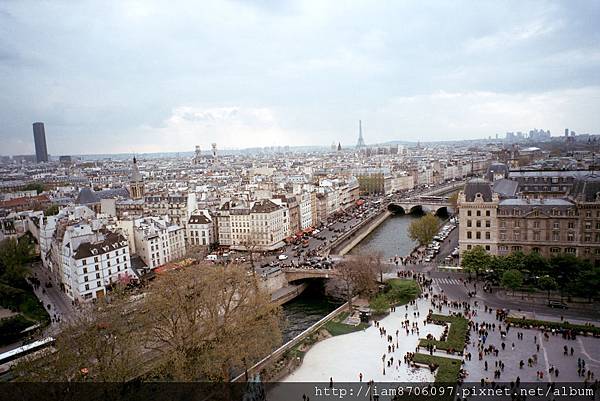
(379, 265)
(35, 186)
(512, 279)
(206, 323)
(424, 229)
(453, 200)
(476, 260)
(14, 254)
(196, 323)
(547, 283)
(102, 344)
(355, 276)
(380, 304)
(51, 210)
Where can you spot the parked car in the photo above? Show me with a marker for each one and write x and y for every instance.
(557, 304)
(282, 257)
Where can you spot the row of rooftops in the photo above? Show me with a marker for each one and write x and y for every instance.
(112, 241)
(586, 188)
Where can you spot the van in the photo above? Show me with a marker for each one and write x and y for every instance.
(212, 257)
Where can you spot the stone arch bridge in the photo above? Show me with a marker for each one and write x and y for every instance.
(440, 206)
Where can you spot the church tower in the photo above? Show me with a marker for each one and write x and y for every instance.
(136, 182)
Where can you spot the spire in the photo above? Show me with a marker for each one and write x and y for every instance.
(361, 141)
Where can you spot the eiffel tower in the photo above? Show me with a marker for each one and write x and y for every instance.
(361, 141)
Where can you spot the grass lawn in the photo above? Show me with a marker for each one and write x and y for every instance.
(459, 326)
(399, 291)
(335, 327)
(448, 369)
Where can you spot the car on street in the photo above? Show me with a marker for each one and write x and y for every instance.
(552, 303)
(282, 257)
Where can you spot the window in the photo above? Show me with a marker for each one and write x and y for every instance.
(487, 247)
(536, 235)
(468, 213)
(555, 236)
(478, 234)
(517, 224)
(97, 284)
(85, 278)
(571, 250)
(487, 235)
(516, 235)
(556, 225)
(570, 237)
(468, 223)
(97, 275)
(478, 223)
(84, 262)
(468, 247)
(487, 213)
(84, 270)
(478, 213)
(554, 250)
(87, 287)
(488, 223)
(571, 224)
(503, 235)
(536, 224)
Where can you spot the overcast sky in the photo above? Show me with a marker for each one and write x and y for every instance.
(143, 76)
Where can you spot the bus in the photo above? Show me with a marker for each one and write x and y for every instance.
(14, 354)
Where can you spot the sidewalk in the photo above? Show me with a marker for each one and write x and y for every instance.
(54, 301)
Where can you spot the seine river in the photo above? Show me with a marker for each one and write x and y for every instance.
(390, 237)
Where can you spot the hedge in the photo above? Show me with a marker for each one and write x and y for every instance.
(448, 368)
(579, 328)
(457, 333)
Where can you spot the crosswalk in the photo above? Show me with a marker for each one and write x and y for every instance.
(447, 281)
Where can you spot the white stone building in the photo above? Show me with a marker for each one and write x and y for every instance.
(158, 241)
(200, 229)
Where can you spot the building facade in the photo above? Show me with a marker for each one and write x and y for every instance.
(158, 240)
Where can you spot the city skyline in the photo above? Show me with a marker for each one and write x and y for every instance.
(151, 78)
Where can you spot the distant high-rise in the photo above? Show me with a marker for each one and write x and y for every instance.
(361, 141)
(39, 138)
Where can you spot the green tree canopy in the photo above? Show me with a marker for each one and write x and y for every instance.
(51, 210)
(424, 229)
(512, 279)
(547, 283)
(14, 254)
(476, 260)
(379, 304)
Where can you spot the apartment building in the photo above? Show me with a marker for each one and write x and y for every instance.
(200, 229)
(158, 240)
(261, 225)
(549, 226)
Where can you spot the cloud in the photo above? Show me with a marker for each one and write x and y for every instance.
(459, 115)
(125, 74)
(229, 127)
